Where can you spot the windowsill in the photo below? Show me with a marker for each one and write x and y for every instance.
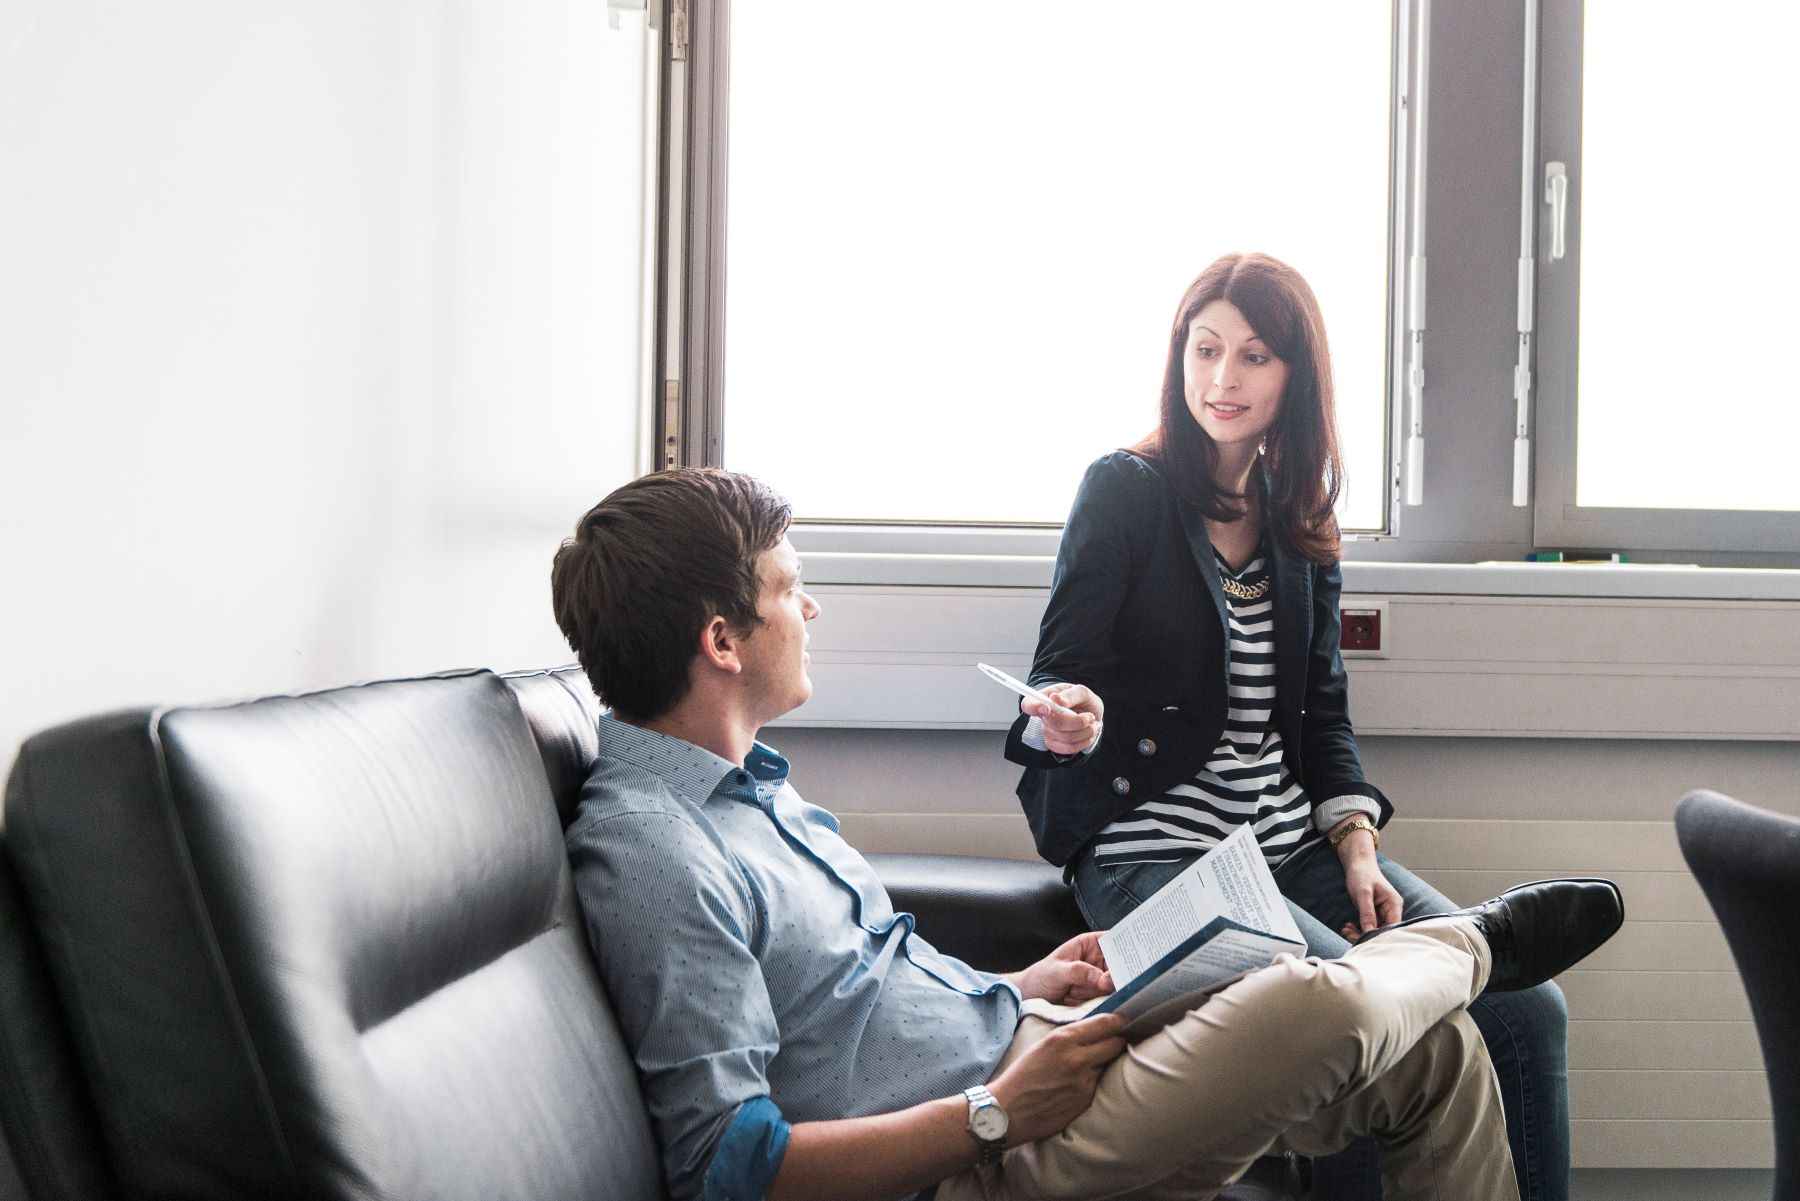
(1659, 581)
(1646, 580)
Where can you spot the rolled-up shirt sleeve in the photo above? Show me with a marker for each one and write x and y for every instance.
(674, 927)
(744, 1165)
(1327, 814)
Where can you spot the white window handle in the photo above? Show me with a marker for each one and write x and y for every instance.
(1556, 195)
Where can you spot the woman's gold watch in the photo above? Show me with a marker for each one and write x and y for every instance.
(1350, 827)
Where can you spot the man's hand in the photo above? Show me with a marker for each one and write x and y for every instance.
(1377, 904)
(1053, 1083)
(1074, 972)
(1071, 729)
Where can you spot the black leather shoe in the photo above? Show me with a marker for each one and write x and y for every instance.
(1536, 931)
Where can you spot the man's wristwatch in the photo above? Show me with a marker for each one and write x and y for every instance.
(987, 1122)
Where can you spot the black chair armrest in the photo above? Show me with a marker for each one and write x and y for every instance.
(996, 914)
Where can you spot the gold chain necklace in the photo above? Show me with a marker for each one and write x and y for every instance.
(1248, 592)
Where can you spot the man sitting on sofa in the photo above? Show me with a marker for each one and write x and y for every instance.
(797, 1039)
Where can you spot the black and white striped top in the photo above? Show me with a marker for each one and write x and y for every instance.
(1246, 778)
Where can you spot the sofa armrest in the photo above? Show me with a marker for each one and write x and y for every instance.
(48, 1148)
(995, 914)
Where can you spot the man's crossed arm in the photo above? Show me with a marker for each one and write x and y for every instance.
(893, 1154)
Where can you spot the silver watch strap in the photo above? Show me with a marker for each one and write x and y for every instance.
(992, 1149)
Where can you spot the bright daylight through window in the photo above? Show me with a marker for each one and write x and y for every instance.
(1688, 250)
(957, 237)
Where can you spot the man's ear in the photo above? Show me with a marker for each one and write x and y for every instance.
(719, 646)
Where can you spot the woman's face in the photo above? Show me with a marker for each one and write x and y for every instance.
(1233, 382)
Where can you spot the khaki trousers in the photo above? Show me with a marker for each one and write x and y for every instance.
(1302, 1056)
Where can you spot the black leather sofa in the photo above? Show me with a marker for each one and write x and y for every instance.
(326, 946)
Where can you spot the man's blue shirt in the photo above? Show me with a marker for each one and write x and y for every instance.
(760, 973)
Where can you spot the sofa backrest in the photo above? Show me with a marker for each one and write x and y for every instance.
(560, 708)
(327, 947)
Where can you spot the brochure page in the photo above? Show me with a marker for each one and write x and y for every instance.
(1231, 880)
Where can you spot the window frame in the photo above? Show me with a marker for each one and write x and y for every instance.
(692, 363)
(1558, 519)
(1477, 56)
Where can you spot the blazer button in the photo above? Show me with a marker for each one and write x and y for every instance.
(1146, 747)
(1121, 785)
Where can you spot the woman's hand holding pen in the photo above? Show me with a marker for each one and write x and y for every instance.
(1072, 725)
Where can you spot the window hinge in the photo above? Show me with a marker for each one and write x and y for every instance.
(678, 30)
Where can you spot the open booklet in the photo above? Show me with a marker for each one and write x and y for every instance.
(1220, 919)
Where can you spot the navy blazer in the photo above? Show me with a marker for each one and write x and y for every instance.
(1136, 613)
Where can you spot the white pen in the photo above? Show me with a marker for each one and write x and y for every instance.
(1019, 686)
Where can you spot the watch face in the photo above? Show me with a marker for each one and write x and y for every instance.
(988, 1122)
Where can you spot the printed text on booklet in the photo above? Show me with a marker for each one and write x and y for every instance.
(1220, 919)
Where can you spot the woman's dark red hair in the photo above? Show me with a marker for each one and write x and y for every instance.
(1300, 457)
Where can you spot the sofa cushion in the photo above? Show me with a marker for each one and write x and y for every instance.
(327, 946)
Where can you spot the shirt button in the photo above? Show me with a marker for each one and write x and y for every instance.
(1146, 747)
(1121, 785)
(743, 777)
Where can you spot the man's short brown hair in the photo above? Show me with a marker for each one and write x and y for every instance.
(649, 566)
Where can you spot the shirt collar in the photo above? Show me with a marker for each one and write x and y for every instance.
(691, 772)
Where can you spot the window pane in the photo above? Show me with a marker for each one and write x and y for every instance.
(957, 236)
(1688, 247)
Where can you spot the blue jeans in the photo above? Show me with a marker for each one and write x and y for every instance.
(1526, 1032)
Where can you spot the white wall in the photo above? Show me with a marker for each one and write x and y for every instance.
(317, 331)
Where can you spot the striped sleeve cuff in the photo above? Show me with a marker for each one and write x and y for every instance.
(1033, 735)
(1327, 814)
(748, 1156)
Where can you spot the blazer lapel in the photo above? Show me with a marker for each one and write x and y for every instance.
(1293, 627)
(1293, 630)
(1194, 526)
